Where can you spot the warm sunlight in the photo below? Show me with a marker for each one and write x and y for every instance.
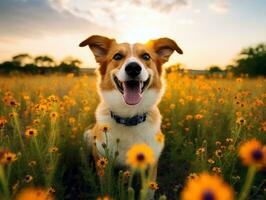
(141, 35)
(55, 27)
(91, 108)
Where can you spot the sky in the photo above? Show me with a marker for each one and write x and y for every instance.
(210, 32)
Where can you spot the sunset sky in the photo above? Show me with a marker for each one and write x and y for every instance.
(208, 31)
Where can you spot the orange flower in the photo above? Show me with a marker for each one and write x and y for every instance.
(192, 176)
(200, 151)
(172, 106)
(126, 173)
(71, 120)
(3, 121)
(252, 152)
(140, 156)
(206, 187)
(53, 115)
(159, 137)
(198, 116)
(31, 132)
(211, 161)
(7, 157)
(13, 114)
(34, 194)
(28, 178)
(189, 117)
(221, 101)
(241, 121)
(104, 198)
(102, 163)
(52, 149)
(217, 170)
(153, 185)
(104, 127)
(32, 163)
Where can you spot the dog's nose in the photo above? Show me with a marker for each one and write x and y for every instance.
(133, 69)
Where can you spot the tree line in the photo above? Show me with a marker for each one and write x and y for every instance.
(250, 61)
(43, 64)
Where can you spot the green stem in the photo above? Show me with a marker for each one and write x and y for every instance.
(131, 178)
(4, 182)
(131, 193)
(237, 135)
(106, 138)
(40, 157)
(143, 191)
(17, 127)
(248, 183)
(163, 197)
(53, 134)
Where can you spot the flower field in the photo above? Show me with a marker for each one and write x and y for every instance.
(214, 131)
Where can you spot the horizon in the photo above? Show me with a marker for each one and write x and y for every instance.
(210, 32)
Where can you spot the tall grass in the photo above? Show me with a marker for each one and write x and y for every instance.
(204, 122)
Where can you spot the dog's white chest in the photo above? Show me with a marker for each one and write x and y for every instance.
(128, 136)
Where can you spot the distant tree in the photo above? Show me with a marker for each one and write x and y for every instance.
(252, 61)
(229, 68)
(72, 61)
(214, 69)
(173, 68)
(31, 69)
(44, 61)
(39, 65)
(22, 59)
(9, 66)
(70, 65)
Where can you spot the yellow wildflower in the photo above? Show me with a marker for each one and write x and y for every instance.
(140, 156)
(206, 187)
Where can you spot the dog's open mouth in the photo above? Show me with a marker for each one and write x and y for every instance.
(131, 90)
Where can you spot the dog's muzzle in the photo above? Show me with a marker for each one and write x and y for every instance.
(133, 87)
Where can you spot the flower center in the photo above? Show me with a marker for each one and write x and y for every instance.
(140, 157)
(257, 155)
(207, 195)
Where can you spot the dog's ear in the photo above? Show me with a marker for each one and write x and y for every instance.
(164, 47)
(99, 45)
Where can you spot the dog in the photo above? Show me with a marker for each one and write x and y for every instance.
(130, 86)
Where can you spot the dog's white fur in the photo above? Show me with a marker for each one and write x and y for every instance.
(129, 135)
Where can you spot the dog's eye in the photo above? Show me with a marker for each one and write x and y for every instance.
(118, 56)
(146, 56)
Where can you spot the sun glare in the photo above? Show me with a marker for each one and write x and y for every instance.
(140, 35)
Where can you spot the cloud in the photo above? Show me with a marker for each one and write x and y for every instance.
(36, 19)
(119, 13)
(220, 6)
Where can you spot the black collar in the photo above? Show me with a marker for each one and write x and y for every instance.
(129, 121)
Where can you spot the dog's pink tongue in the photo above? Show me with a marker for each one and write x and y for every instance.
(132, 93)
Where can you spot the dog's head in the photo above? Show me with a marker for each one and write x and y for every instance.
(130, 71)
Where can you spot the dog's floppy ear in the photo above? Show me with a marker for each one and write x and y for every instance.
(99, 45)
(164, 47)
